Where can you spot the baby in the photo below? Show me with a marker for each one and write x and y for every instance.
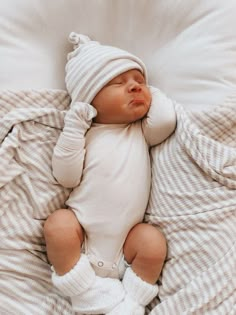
(104, 258)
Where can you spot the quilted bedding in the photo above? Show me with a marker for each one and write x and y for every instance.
(193, 200)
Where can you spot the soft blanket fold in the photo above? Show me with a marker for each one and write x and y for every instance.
(193, 200)
(29, 127)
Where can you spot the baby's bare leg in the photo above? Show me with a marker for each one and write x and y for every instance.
(74, 276)
(145, 249)
(64, 237)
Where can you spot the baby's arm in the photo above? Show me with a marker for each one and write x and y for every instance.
(161, 118)
(69, 152)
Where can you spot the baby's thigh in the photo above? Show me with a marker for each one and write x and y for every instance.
(63, 223)
(144, 240)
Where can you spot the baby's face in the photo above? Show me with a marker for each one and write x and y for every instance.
(125, 99)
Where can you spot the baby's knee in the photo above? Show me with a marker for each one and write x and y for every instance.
(158, 244)
(153, 242)
(60, 222)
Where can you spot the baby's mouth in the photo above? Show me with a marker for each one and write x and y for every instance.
(136, 102)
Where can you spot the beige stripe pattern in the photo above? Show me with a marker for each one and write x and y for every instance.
(30, 125)
(193, 200)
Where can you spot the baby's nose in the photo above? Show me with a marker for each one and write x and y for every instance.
(134, 86)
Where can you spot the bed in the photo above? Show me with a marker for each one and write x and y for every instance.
(189, 47)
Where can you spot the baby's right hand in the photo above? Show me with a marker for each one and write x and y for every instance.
(79, 117)
(84, 110)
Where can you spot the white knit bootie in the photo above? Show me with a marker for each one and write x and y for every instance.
(138, 294)
(89, 293)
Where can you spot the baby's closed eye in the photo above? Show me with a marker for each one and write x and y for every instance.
(115, 82)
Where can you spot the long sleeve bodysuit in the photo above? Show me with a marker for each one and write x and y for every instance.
(108, 165)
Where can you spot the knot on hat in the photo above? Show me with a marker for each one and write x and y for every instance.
(77, 39)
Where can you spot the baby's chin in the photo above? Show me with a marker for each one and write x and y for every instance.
(140, 112)
(129, 116)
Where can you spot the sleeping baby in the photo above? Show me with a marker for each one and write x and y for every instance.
(103, 256)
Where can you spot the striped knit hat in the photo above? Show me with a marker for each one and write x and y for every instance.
(92, 65)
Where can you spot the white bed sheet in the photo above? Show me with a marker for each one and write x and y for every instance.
(188, 45)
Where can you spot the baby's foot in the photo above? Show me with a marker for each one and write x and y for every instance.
(104, 295)
(127, 307)
(138, 294)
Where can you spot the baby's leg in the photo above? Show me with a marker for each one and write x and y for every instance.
(73, 274)
(145, 249)
(64, 237)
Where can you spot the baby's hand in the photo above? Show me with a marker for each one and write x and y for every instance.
(84, 110)
(79, 117)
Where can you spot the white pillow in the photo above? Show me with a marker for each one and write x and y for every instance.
(189, 46)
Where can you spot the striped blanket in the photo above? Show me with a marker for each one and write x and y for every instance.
(30, 125)
(193, 200)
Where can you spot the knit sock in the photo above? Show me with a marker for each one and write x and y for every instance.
(89, 293)
(77, 280)
(138, 294)
(100, 298)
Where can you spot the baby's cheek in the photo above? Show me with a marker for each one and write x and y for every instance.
(149, 95)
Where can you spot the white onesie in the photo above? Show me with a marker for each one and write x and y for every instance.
(109, 169)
